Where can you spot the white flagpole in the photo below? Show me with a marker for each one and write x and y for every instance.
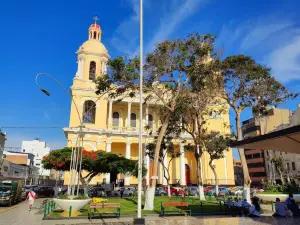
(140, 162)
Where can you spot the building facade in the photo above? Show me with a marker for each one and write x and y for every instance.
(2, 143)
(39, 149)
(19, 165)
(259, 161)
(238, 172)
(113, 126)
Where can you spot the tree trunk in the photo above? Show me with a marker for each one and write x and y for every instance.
(281, 177)
(200, 181)
(149, 201)
(247, 180)
(84, 183)
(216, 178)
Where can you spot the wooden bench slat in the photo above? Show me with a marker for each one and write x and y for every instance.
(175, 204)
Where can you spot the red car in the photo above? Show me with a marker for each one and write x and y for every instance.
(208, 188)
(174, 191)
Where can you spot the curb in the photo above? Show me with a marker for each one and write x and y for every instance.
(5, 210)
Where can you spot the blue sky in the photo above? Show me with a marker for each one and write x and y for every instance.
(42, 36)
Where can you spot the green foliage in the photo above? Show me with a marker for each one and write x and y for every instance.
(63, 196)
(289, 188)
(94, 163)
(79, 197)
(216, 143)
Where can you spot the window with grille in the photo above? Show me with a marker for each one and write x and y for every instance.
(116, 117)
(89, 112)
(92, 71)
(133, 120)
(150, 121)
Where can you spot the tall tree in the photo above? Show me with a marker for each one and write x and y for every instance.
(279, 165)
(167, 72)
(249, 85)
(166, 155)
(216, 144)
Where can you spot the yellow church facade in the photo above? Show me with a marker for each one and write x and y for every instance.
(113, 126)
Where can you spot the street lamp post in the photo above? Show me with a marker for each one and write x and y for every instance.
(76, 152)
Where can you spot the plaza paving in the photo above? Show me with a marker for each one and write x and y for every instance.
(19, 215)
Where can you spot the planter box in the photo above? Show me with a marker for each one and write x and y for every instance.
(272, 197)
(65, 204)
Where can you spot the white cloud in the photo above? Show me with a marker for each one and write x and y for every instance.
(261, 31)
(285, 61)
(125, 38)
(271, 41)
(178, 11)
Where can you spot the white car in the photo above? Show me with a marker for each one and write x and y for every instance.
(127, 192)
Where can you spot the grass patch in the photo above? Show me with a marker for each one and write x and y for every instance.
(129, 206)
(269, 192)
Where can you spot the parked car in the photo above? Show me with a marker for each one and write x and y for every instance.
(174, 191)
(222, 191)
(127, 192)
(99, 192)
(81, 191)
(160, 191)
(193, 191)
(43, 191)
(237, 190)
(207, 189)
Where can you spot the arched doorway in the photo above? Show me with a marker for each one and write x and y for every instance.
(187, 174)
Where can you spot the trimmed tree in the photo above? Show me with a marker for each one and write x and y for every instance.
(168, 70)
(279, 165)
(249, 85)
(93, 163)
(216, 144)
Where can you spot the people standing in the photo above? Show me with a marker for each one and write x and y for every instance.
(31, 197)
(280, 209)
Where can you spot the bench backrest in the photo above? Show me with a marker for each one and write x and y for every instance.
(104, 205)
(164, 204)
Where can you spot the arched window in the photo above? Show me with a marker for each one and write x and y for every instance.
(89, 112)
(116, 119)
(150, 121)
(92, 72)
(133, 120)
(95, 35)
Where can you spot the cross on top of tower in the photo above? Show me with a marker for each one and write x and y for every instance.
(95, 18)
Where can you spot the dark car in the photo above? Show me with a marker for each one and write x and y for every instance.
(44, 191)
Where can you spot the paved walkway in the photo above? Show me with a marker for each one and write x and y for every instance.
(19, 215)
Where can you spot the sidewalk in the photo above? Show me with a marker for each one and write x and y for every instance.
(20, 215)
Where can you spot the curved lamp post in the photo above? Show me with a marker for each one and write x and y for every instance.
(75, 151)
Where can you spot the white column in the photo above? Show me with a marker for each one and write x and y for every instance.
(81, 68)
(128, 114)
(225, 167)
(147, 165)
(147, 117)
(165, 163)
(107, 175)
(182, 166)
(110, 114)
(127, 156)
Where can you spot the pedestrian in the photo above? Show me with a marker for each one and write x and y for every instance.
(280, 209)
(254, 209)
(245, 207)
(122, 192)
(294, 208)
(288, 201)
(31, 197)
